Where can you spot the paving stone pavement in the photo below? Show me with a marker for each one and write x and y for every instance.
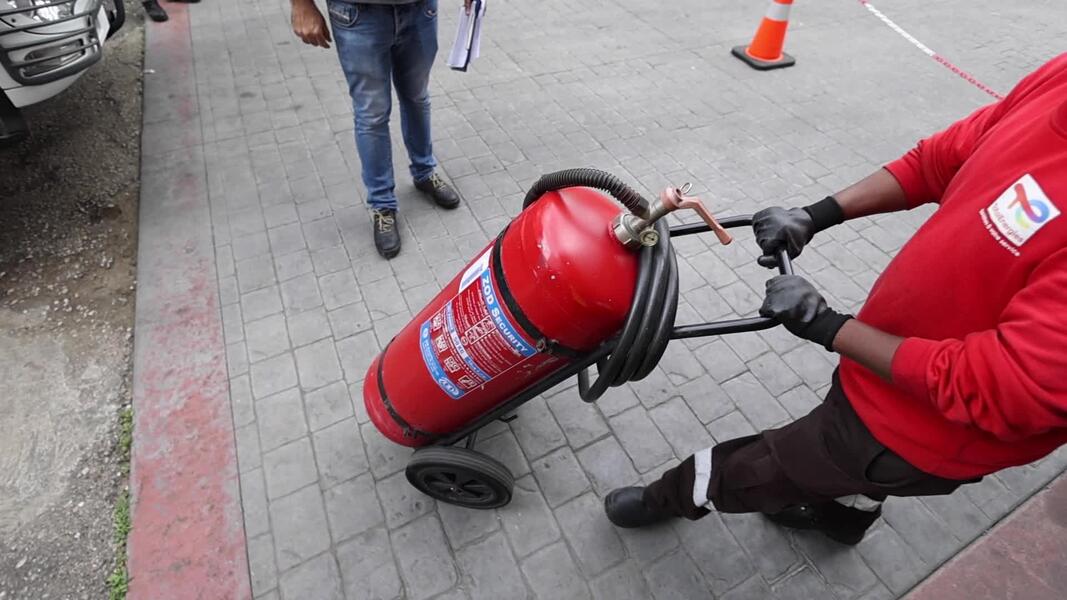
(651, 94)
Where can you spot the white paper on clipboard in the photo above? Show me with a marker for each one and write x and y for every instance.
(467, 46)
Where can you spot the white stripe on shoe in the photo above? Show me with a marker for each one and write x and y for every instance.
(702, 477)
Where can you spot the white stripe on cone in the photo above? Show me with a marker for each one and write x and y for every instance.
(778, 12)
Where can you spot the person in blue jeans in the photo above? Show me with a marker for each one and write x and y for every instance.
(379, 43)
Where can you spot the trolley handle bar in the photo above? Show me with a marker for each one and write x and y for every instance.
(785, 267)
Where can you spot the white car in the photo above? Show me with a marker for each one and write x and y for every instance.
(45, 45)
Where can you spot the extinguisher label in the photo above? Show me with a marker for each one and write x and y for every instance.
(470, 340)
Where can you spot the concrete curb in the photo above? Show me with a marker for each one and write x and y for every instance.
(187, 539)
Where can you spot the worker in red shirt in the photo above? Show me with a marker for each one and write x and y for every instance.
(955, 368)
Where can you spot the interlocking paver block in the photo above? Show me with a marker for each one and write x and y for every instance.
(646, 544)
(317, 579)
(426, 565)
(255, 273)
(770, 370)
(307, 327)
(528, 522)
(299, 524)
(536, 429)
(730, 426)
(384, 456)
(505, 448)
(675, 577)
(356, 353)
(273, 375)
(812, 363)
(350, 320)
(261, 564)
(706, 399)
(650, 392)
(254, 502)
(552, 574)
(266, 338)
(490, 571)
(286, 239)
(402, 502)
(843, 569)
(352, 507)
(241, 401)
(281, 419)
(895, 563)
(641, 439)
(720, 360)
(921, 529)
(767, 544)
(339, 289)
(580, 421)
(339, 452)
(289, 468)
(560, 476)
(463, 525)
(623, 582)
(368, 568)
(317, 364)
(328, 405)
(300, 293)
(607, 465)
(680, 427)
(329, 260)
(591, 536)
(293, 265)
(801, 585)
(753, 400)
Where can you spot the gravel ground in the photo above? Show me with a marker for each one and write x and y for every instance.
(68, 239)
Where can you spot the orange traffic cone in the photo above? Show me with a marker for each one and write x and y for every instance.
(765, 51)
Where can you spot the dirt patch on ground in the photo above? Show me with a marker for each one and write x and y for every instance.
(68, 239)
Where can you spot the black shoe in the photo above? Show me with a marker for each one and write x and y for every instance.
(386, 233)
(840, 523)
(443, 194)
(626, 508)
(155, 11)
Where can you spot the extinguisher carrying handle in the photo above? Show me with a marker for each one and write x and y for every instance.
(785, 267)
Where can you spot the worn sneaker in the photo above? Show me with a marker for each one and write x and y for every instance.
(626, 507)
(840, 523)
(443, 194)
(386, 234)
(154, 11)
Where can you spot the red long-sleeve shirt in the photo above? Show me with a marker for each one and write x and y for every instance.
(979, 293)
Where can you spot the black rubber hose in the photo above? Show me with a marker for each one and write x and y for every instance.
(593, 178)
(640, 344)
(647, 329)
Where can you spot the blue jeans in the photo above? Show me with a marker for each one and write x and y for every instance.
(379, 44)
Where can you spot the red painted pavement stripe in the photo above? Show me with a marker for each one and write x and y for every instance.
(928, 51)
(1022, 558)
(187, 539)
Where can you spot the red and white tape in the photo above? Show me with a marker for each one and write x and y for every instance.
(929, 52)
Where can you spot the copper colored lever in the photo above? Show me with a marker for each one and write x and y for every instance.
(676, 198)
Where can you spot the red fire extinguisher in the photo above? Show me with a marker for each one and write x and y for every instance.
(570, 282)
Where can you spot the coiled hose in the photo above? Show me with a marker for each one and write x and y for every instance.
(648, 326)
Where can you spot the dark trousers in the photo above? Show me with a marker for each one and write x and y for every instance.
(826, 455)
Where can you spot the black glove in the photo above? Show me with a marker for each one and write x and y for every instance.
(793, 228)
(798, 305)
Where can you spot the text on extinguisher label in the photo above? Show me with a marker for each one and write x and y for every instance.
(470, 340)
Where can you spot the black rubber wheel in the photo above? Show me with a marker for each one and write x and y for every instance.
(460, 476)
